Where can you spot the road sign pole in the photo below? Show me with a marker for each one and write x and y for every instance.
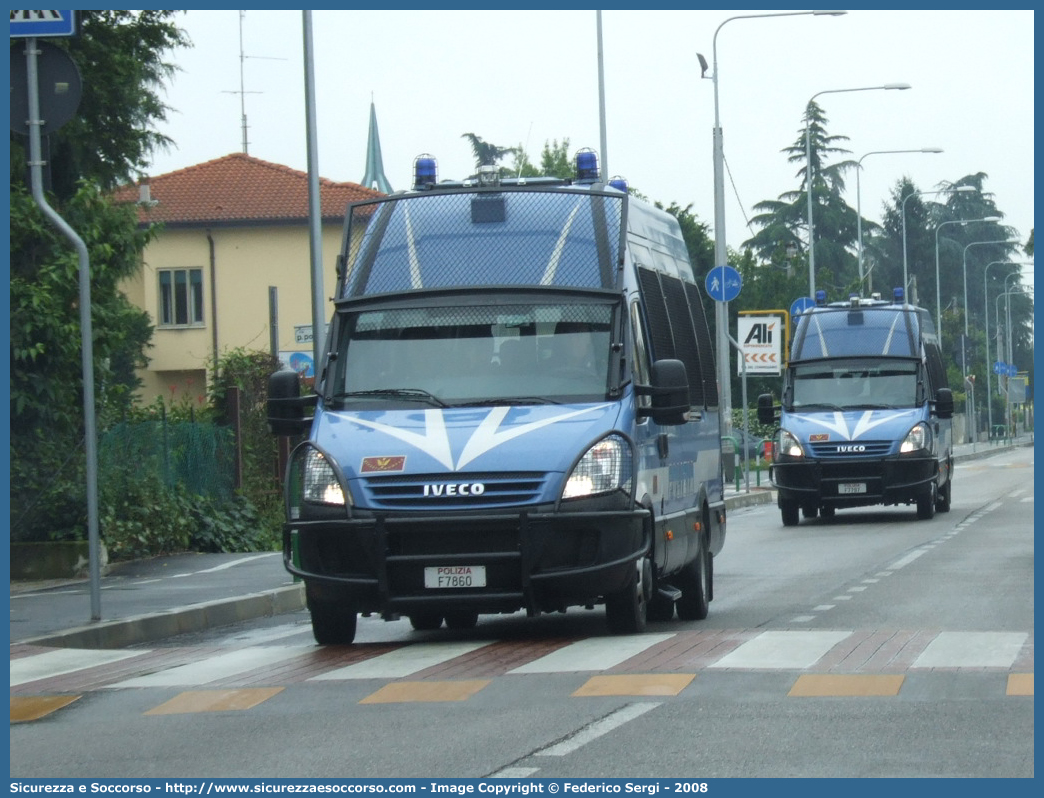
(86, 335)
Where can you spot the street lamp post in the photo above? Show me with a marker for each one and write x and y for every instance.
(955, 190)
(721, 313)
(859, 204)
(969, 409)
(986, 311)
(938, 292)
(809, 176)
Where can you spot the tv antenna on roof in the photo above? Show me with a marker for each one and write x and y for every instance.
(242, 89)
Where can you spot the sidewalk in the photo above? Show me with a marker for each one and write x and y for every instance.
(148, 600)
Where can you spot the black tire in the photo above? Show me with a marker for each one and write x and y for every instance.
(926, 503)
(942, 501)
(461, 619)
(810, 511)
(789, 511)
(694, 582)
(827, 511)
(425, 621)
(626, 610)
(333, 623)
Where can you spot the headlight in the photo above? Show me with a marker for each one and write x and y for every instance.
(788, 445)
(604, 468)
(312, 480)
(918, 438)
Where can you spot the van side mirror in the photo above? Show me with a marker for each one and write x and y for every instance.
(767, 410)
(944, 403)
(669, 389)
(286, 405)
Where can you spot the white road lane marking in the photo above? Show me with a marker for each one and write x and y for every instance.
(598, 729)
(62, 661)
(593, 654)
(782, 650)
(972, 650)
(222, 666)
(402, 661)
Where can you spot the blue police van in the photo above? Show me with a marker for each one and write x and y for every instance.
(516, 409)
(865, 412)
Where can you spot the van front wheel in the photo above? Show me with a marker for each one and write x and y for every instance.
(333, 623)
(790, 512)
(926, 503)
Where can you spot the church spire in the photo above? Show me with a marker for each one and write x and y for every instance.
(374, 177)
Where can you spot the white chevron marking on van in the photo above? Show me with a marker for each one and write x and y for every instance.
(435, 440)
(486, 436)
(865, 423)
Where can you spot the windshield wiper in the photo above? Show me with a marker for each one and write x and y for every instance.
(410, 394)
(509, 400)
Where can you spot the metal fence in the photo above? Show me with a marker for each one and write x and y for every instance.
(199, 456)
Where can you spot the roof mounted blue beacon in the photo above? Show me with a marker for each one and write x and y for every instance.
(586, 166)
(619, 183)
(897, 295)
(820, 297)
(425, 172)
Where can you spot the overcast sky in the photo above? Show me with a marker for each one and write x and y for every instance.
(527, 77)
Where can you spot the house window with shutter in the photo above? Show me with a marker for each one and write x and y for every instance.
(180, 297)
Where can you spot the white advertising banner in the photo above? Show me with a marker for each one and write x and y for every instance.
(761, 342)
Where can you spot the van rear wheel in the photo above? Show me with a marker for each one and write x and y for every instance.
(694, 582)
(942, 502)
(461, 619)
(425, 621)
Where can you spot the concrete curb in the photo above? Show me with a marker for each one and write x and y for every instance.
(180, 620)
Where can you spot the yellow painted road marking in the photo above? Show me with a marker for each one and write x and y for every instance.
(214, 700)
(25, 708)
(636, 684)
(1020, 684)
(403, 692)
(838, 684)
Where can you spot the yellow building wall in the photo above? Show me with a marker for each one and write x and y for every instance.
(238, 265)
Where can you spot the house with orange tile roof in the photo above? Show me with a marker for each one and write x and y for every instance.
(233, 229)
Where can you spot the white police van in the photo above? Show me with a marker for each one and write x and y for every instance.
(865, 416)
(516, 410)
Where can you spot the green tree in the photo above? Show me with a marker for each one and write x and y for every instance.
(120, 55)
(120, 58)
(834, 222)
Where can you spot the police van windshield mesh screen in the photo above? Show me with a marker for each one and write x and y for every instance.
(562, 237)
(884, 331)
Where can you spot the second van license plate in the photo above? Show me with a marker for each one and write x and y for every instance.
(851, 487)
(455, 576)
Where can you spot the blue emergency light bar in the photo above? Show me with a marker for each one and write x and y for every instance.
(425, 172)
(586, 166)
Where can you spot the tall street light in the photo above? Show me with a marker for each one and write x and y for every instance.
(986, 310)
(721, 313)
(938, 292)
(970, 410)
(809, 176)
(956, 190)
(859, 205)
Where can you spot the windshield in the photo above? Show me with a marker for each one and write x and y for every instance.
(854, 384)
(473, 355)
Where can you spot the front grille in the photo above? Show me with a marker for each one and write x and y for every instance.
(464, 491)
(829, 450)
